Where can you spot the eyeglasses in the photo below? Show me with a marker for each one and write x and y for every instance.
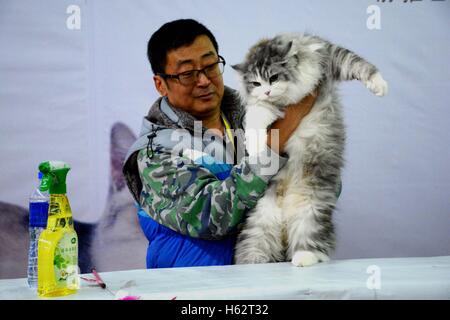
(190, 77)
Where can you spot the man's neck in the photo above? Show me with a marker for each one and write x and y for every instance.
(214, 123)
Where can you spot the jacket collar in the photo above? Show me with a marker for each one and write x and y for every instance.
(163, 114)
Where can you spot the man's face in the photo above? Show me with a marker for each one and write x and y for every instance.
(201, 98)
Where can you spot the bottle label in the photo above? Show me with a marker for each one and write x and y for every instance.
(66, 262)
(38, 214)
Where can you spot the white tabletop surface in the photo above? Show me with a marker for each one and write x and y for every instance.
(390, 278)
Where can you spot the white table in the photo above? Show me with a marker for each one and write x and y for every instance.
(392, 278)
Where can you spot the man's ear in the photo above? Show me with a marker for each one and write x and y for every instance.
(160, 85)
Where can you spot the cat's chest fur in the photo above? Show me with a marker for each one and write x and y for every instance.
(312, 141)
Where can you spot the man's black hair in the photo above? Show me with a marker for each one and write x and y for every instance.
(173, 35)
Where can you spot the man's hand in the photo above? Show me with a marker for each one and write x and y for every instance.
(294, 114)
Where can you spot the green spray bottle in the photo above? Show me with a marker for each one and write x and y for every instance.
(58, 243)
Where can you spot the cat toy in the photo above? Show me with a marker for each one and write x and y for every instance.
(99, 281)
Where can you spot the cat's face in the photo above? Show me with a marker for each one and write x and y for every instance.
(279, 72)
(268, 71)
(266, 87)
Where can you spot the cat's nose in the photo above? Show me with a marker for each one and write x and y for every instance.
(267, 93)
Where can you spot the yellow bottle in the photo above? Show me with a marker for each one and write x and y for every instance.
(58, 243)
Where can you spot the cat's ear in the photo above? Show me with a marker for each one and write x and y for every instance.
(121, 140)
(284, 50)
(240, 67)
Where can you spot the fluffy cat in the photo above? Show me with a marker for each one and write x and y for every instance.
(293, 220)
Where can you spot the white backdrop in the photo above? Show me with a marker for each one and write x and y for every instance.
(69, 70)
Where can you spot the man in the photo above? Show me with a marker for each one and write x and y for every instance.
(191, 202)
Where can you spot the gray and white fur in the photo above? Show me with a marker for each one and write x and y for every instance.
(293, 220)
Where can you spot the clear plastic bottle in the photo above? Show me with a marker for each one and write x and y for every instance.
(38, 208)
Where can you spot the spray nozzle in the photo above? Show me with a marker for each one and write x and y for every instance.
(54, 176)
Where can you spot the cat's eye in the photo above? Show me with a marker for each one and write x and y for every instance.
(273, 78)
(255, 83)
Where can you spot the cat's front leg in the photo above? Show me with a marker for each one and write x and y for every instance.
(257, 118)
(309, 225)
(347, 65)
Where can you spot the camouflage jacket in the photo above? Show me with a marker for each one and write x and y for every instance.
(186, 186)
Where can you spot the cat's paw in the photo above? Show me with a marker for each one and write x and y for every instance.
(377, 85)
(306, 258)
